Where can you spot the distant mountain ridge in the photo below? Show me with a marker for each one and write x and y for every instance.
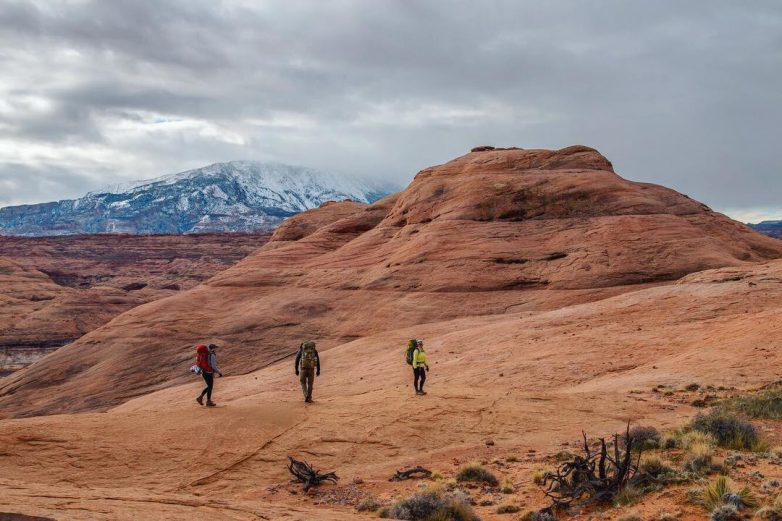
(238, 196)
(772, 228)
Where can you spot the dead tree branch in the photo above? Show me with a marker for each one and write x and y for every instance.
(402, 475)
(306, 474)
(593, 477)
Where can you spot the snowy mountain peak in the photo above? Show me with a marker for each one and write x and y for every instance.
(222, 197)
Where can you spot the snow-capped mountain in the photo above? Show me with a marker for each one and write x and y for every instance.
(224, 197)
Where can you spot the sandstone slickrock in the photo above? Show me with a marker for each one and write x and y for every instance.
(493, 232)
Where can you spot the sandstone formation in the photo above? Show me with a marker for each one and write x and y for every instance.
(527, 381)
(53, 290)
(493, 233)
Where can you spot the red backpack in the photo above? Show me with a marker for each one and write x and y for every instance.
(202, 358)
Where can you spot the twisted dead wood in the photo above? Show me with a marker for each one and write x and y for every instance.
(306, 474)
(402, 475)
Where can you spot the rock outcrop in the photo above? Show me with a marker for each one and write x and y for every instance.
(493, 232)
(53, 290)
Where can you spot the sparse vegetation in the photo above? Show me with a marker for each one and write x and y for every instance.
(507, 486)
(432, 505)
(627, 496)
(538, 475)
(653, 471)
(692, 387)
(476, 472)
(537, 515)
(508, 509)
(725, 513)
(719, 493)
(630, 517)
(369, 504)
(645, 437)
(765, 404)
(772, 512)
(512, 459)
(728, 429)
(698, 457)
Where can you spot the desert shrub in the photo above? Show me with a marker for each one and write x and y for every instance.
(692, 387)
(666, 516)
(476, 472)
(728, 429)
(369, 504)
(512, 459)
(630, 517)
(688, 438)
(698, 458)
(725, 513)
(507, 486)
(645, 437)
(537, 515)
(508, 509)
(627, 496)
(772, 512)
(719, 493)
(765, 404)
(653, 471)
(538, 474)
(432, 505)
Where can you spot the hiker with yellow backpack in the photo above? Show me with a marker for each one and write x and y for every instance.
(416, 357)
(307, 367)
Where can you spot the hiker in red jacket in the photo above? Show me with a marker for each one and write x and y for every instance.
(206, 360)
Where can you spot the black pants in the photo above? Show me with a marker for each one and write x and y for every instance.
(209, 378)
(419, 375)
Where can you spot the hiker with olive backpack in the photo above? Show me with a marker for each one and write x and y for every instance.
(307, 367)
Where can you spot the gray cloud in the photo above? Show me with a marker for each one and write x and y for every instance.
(686, 94)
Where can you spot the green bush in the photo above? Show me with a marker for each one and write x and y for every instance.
(728, 429)
(720, 493)
(476, 472)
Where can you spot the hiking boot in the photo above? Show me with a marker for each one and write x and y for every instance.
(210, 403)
(200, 400)
(419, 393)
(308, 399)
(422, 392)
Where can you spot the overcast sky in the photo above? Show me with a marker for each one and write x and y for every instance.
(686, 94)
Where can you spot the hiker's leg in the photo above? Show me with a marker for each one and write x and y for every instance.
(210, 380)
(419, 378)
(310, 382)
(208, 385)
(303, 381)
(423, 379)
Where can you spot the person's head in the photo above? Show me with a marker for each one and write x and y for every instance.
(212, 347)
(420, 343)
(309, 344)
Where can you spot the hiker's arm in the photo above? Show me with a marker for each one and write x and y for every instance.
(213, 363)
(298, 359)
(317, 361)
